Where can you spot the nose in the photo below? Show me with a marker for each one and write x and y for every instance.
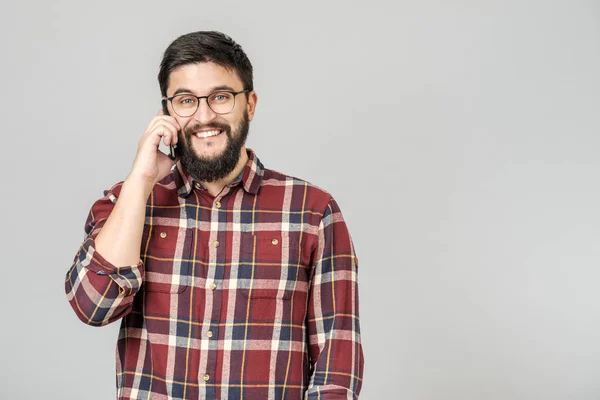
(204, 113)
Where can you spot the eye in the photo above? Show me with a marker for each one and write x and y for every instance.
(220, 97)
(185, 100)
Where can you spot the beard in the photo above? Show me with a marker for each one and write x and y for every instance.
(212, 169)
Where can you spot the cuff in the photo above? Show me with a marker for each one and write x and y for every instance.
(128, 278)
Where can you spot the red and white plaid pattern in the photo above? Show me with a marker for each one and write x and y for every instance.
(249, 295)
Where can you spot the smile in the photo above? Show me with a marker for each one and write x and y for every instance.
(207, 134)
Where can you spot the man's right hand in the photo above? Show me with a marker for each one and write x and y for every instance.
(150, 164)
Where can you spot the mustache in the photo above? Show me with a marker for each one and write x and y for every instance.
(214, 125)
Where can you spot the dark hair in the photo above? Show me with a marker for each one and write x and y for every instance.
(201, 47)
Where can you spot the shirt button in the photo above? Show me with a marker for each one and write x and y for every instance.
(209, 334)
(216, 243)
(218, 204)
(213, 286)
(274, 241)
(206, 378)
(163, 235)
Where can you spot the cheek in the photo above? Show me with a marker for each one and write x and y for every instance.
(183, 122)
(239, 120)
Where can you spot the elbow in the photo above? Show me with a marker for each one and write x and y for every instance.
(85, 309)
(87, 315)
(96, 316)
(93, 321)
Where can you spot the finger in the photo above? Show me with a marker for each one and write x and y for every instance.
(155, 134)
(170, 118)
(152, 122)
(164, 118)
(173, 121)
(166, 130)
(161, 133)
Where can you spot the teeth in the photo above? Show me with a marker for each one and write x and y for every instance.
(207, 134)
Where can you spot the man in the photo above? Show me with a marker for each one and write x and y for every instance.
(232, 281)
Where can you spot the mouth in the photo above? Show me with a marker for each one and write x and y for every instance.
(208, 133)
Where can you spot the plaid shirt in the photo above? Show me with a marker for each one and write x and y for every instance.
(248, 295)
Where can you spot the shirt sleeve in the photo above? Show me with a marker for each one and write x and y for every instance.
(98, 291)
(335, 348)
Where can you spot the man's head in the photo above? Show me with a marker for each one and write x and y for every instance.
(213, 136)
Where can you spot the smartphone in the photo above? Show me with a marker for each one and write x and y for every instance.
(171, 147)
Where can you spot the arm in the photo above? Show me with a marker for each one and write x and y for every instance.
(107, 271)
(333, 322)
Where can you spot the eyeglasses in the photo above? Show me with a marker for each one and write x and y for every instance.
(186, 104)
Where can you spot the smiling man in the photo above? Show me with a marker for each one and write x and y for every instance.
(231, 280)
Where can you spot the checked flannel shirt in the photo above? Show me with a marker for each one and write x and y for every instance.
(248, 295)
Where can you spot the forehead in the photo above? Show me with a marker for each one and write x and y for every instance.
(202, 78)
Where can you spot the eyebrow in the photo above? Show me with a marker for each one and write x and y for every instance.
(212, 90)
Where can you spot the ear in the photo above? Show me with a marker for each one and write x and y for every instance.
(251, 106)
(165, 108)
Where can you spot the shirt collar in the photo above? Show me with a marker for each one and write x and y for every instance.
(251, 176)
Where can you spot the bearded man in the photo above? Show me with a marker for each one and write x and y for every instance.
(230, 280)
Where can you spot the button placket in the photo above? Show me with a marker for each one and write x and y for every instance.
(212, 315)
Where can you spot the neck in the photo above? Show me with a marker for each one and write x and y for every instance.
(214, 188)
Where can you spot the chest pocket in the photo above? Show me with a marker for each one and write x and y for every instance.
(270, 267)
(166, 260)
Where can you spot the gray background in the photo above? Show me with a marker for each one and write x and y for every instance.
(460, 139)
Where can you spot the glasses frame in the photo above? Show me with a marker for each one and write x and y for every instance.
(170, 99)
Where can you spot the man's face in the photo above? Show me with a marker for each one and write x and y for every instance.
(210, 157)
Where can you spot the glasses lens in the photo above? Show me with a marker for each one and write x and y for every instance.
(221, 102)
(185, 105)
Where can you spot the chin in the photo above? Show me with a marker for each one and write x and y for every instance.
(209, 153)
